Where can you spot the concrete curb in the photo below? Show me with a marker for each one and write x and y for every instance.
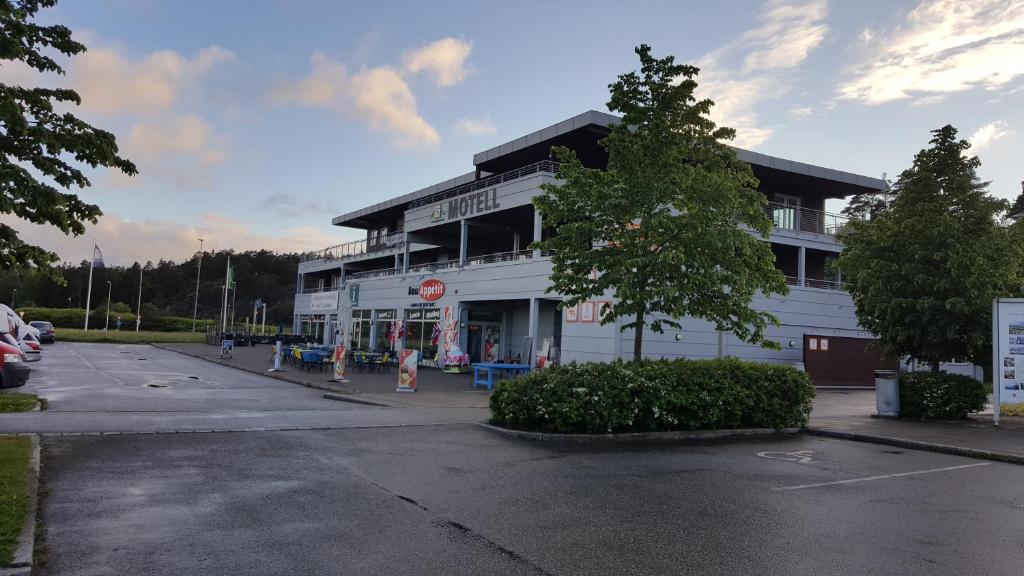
(682, 435)
(22, 563)
(355, 399)
(324, 386)
(918, 445)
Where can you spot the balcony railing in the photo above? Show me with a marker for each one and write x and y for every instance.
(315, 289)
(543, 166)
(356, 248)
(799, 219)
(517, 256)
(816, 283)
(500, 257)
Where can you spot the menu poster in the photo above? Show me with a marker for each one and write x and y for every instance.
(407, 364)
(586, 311)
(571, 313)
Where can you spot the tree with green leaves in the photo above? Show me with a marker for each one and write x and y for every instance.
(674, 227)
(43, 148)
(924, 271)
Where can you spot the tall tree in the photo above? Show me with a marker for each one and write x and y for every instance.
(923, 273)
(662, 228)
(43, 149)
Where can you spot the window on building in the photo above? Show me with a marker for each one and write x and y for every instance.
(359, 335)
(785, 212)
(385, 326)
(421, 332)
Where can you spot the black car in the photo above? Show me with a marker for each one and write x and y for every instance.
(47, 335)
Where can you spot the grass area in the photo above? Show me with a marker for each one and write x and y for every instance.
(14, 458)
(17, 402)
(127, 336)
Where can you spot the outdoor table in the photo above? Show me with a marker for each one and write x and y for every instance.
(487, 370)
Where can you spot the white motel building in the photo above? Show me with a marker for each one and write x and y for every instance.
(459, 249)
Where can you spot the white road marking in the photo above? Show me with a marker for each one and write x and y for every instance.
(800, 457)
(869, 478)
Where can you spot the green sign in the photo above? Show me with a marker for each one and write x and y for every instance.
(353, 294)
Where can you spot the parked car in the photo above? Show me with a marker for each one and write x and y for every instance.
(47, 335)
(30, 345)
(14, 370)
(28, 352)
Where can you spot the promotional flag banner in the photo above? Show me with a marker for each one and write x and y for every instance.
(97, 256)
(339, 363)
(407, 363)
(435, 335)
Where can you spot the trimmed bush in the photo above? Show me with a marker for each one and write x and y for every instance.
(654, 395)
(940, 396)
(75, 318)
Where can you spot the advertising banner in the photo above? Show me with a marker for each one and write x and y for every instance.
(339, 363)
(407, 364)
(276, 357)
(1007, 352)
(323, 300)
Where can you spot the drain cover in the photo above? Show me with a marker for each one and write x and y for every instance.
(142, 358)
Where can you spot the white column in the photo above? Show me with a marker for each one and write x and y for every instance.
(801, 272)
(405, 256)
(463, 241)
(537, 230)
(533, 329)
(397, 261)
(839, 278)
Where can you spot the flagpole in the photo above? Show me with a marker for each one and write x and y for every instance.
(138, 313)
(234, 294)
(224, 304)
(88, 294)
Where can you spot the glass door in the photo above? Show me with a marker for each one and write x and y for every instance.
(786, 212)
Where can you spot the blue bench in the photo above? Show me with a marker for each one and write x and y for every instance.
(483, 373)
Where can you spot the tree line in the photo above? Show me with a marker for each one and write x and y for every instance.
(168, 288)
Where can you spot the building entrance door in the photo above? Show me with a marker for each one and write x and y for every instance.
(484, 341)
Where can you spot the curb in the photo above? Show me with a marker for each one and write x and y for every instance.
(681, 435)
(918, 445)
(350, 397)
(325, 386)
(22, 563)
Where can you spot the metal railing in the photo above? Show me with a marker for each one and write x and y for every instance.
(500, 257)
(516, 256)
(816, 283)
(786, 217)
(546, 166)
(356, 248)
(379, 273)
(434, 266)
(316, 289)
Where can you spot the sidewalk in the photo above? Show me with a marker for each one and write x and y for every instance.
(848, 416)
(435, 389)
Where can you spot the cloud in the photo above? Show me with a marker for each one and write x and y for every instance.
(988, 134)
(180, 149)
(801, 112)
(942, 47)
(288, 206)
(475, 126)
(126, 241)
(111, 83)
(444, 60)
(378, 95)
(759, 65)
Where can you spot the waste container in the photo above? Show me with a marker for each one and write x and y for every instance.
(887, 393)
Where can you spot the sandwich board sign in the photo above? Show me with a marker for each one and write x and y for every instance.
(1007, 353)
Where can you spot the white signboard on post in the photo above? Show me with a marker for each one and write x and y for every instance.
(1007, 353)
(323, 300)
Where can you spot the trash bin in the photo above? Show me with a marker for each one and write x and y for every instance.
(887, 393)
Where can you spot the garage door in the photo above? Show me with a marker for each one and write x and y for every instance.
(842, 361)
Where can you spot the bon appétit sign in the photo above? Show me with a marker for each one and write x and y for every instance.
(466, 205)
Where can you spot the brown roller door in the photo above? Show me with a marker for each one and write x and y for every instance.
(842, 361)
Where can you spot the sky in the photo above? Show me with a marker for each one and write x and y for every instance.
(253, 123)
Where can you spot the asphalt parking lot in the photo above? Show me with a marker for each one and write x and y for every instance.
(373, 494)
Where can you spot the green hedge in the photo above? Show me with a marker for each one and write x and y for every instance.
(75, 318)
(654, 396)
(940, 395)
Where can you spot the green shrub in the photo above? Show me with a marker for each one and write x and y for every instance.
(940, 395)
(75, 318)
(654, 395)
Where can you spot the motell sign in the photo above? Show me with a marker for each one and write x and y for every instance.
(429, 290)
(466, 205)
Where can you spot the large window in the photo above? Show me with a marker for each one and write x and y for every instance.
(359, 335)
(385, 324)
(420, 331)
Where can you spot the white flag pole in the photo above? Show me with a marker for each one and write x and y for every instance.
(224, 304)
(138, 313)
(88, 293)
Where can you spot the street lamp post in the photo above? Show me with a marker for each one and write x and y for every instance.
(106, 324)
(13, 294)
(199, 272)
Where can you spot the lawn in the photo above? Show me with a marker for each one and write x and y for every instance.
(17, 402)
(14, 460)
(127, 336)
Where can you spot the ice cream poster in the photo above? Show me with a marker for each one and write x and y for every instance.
(407, 364)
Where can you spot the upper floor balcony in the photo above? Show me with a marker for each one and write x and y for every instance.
(356, 248)
(796, 219)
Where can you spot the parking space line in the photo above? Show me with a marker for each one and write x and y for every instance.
(869, 478)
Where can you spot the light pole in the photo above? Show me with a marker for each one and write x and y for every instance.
(138, 313)
(234, 293)
(199, 272)
(106, 324)
(13, 294)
